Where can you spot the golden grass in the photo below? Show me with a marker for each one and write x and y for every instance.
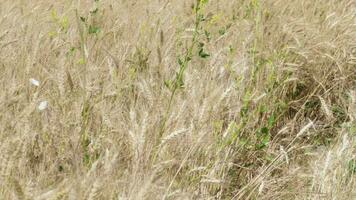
(189, 99)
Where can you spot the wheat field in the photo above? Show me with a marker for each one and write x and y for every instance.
(177, 99)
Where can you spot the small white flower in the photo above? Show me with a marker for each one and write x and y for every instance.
(34, 82)
(43, 105)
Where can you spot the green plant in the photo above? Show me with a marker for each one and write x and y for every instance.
(183, 61)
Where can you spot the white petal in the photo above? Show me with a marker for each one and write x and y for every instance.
(34, 82)
(43, 105)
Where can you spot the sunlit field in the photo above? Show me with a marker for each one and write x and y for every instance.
(177, 99)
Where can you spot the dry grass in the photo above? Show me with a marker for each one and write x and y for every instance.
(163, 99)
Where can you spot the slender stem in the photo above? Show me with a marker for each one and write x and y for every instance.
(179, 76)
(82, 46)
(182, 68)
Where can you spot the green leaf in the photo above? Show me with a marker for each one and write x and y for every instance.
(86, 159)
(179, 81)
(222, 31)
(271, 121)
(243, 111)
(264, 130)
(263, 142)
(54, 16)
(168, 84)
(180, 62)
(352, 166)
(70, 52)
(203, 1)
(231, 49)
(201, 17)
(207, 35)
(203, 54)
(94, 11)
(81, 61)
(93, 29)
(64, 23)
(189, 58)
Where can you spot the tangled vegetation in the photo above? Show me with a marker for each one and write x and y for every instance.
(177, 99)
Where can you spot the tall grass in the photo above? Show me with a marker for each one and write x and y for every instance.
(190, 99)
